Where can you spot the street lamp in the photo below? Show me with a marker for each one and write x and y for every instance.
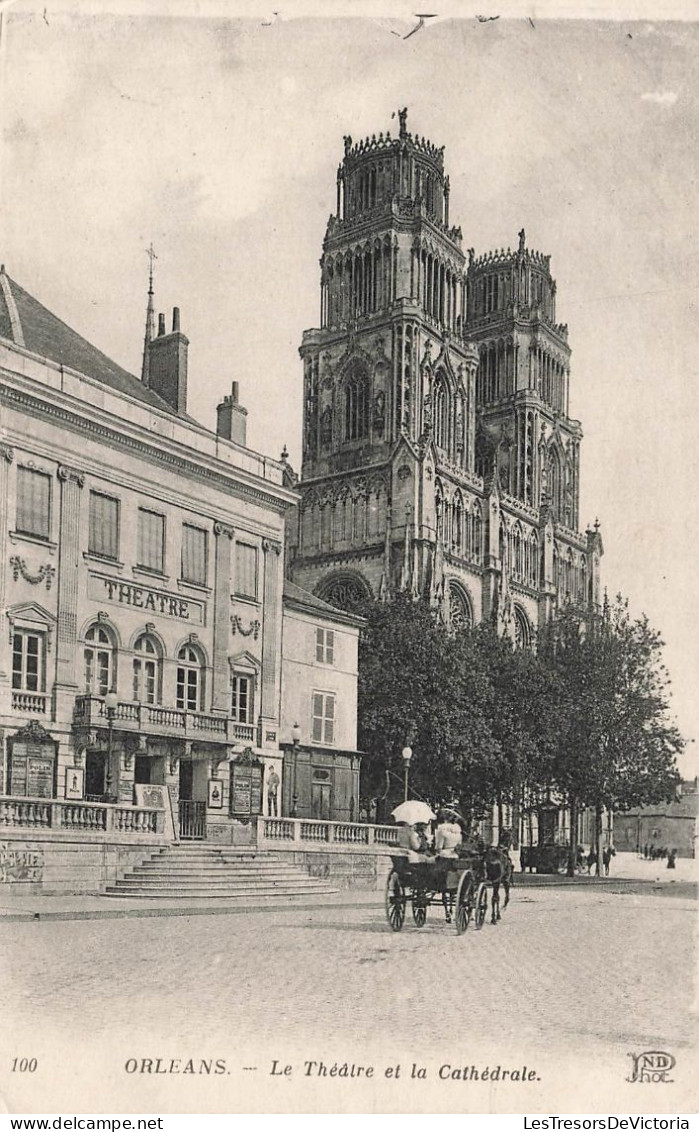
(111, 702)
(407, 754)
(296, 739)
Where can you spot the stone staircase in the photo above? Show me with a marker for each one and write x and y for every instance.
(192, 870)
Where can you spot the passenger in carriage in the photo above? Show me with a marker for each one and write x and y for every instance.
(448, 837)
(414, 839)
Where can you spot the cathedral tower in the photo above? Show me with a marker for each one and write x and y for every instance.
(438, 456)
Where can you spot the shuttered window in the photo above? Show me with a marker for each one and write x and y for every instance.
(323, 718)
(241, 699)
(33, 502)
(325, 646)
(103, 537)
(151, 540)
(194, 554)
(245, 570)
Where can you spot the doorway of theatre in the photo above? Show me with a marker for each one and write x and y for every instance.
(95, 775)
(192, 800)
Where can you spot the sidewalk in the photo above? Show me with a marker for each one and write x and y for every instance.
(627, 873)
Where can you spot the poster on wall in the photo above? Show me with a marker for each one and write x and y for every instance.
(32, 763)
(75, 782)
(215, 794)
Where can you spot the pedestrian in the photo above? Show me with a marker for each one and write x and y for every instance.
(672, 853)
(645, 851)
(607, 855)
(272, 792)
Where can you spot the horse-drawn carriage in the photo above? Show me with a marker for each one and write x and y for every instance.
(461, 884)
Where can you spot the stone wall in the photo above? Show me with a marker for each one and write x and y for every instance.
(52, 864)
(348, 870)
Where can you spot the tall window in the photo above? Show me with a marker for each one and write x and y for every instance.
(356, 407)
(33, 502)
(151, 540)
(194, 554)
(190, 679)
(325, 646)
(103, 536)
(323, 718)
(440, 413)
(146, 670)
(27, 661)
(241, 698)
(245, 570)
(99, 655)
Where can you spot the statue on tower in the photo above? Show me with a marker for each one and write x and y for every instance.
(522, 237)
(402, 119)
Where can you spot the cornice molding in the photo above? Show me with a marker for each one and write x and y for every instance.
(149, 451)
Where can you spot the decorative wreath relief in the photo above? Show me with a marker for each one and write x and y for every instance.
(45, 573)
(253, 628)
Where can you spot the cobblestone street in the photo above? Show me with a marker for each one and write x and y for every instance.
(570, 977)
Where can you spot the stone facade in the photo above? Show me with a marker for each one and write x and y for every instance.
(438, 453)
(319, 709)
(141, 575)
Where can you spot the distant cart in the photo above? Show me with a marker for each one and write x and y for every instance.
(548, 858)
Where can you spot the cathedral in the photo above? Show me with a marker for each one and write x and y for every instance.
(439, 456)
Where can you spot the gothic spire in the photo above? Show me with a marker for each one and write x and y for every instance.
(150, 320)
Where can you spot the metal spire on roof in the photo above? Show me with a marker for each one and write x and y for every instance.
(150, 319)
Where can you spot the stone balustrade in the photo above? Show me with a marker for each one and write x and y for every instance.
(308, 833)
(79, 816)
(157, 719)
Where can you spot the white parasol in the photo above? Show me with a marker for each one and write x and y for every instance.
(413, 812)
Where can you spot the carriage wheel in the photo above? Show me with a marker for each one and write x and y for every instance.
(419, 910)
(464, 902)
(481, 905)
(395, 901)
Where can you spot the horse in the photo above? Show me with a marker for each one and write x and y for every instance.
(499, 871)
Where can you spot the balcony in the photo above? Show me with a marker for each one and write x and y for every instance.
(30, 703)
(154, 719)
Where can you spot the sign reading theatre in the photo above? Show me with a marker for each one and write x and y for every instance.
(147, 599)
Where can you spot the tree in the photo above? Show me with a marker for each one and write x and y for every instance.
(421, 684)
(616, 744)
(522, 723)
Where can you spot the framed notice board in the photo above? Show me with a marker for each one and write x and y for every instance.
(246, 787)
(32, 763)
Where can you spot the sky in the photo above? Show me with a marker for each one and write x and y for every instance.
(218, 139)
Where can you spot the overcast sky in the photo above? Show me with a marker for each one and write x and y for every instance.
(219, 139)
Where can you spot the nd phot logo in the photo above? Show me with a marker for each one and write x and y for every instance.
(651, 1067)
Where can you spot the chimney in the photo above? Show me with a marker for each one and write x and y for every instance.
(231, 417)
(167, 364)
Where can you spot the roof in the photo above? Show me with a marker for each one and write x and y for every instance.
(27, 323)
(296, 596)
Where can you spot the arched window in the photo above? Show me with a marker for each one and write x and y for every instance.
(457, 530)
(439, 511)
(533, 576)
(523, 634)
(441, 412)
(345, 591)
(100, 661)
(477, 536)
(356, 407)
(190, 679)
(147, 670)
(460, 612)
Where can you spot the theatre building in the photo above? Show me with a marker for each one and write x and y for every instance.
(141, 589)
